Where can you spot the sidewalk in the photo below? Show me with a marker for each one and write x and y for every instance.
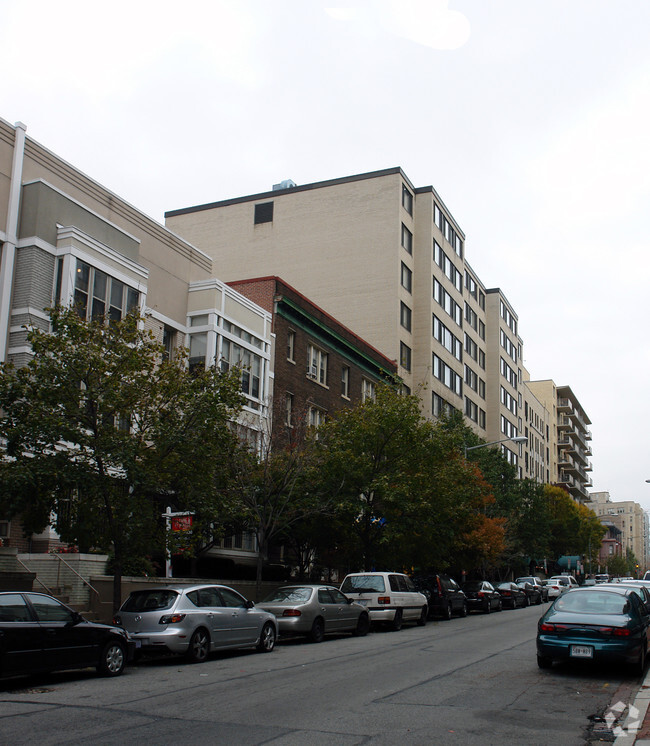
(638, 717)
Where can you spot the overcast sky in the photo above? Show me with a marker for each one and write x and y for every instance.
(530, 118)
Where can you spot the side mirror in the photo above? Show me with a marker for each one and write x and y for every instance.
(249, 605)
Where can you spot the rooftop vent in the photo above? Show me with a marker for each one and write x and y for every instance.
(286, 184)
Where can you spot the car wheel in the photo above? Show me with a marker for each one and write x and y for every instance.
(463, 609)
(640, 664)
(423, 617)
(447, 612)
(267, 639)
(317, 630)
(544, 662)
(113, 659)
(488, 606)
(396, 624)
(363, 626)
(199, 647)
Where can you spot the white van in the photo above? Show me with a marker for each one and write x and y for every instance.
(390, 597)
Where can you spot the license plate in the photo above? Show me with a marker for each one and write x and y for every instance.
(581, 651)
(362, 601)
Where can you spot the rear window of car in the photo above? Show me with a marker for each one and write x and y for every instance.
(289, 596)
(591, 602)
(532, 581)
(473, 587)
(367, 583)
(150, 600)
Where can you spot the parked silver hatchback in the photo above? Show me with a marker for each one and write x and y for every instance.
(194, 620)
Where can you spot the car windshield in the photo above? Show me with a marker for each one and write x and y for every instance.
(370, 583)
(294, 595)
(150, 600)
(589, 602)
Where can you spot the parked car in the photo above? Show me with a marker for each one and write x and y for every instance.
(512, 595)
(597, 624)
(444, 596)
(553, 588)
(601, 578)
(39, 633)
(389, 597)
(482, 596)
(566, 581)
(193, 620)
(314, 611)
(533, 593)
(534, 580)
(642, 589)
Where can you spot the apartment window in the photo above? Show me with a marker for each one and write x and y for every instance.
(448, 340)
(442, 297)
(264, 213)
(481, 359)
(288, 410)
(97, 294)
(198, 349)
(233, 354)
(471, 317)
(481, 388)
(471, 348)
(471, 410)
(407, 200)
(316, 417)
(407, 278)
(405, 356)
(405, 316)
(291, 345)
(345, 382)
(440, 405)
(481, 330)
(367, 389)
(407, 239)
(481, 418)
(169, 339)
(317, 364)
(471, 379)
(447, 375)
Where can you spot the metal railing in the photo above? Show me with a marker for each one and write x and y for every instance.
(31, 572)
(83, 580)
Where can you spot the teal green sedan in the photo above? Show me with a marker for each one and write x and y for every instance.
(601, 625)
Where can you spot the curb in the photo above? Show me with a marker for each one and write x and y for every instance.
(641, 720)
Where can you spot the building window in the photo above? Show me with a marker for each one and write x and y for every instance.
(97, 295)
(367, 390)
(198, 349)
(232, 355)
(317, 364)
(288, 409)
(405, 316)
(264, 213)
(442, 297)
(405, 356)
(439, 405)
(407, 278)
(447, 375)
(407, 239)
(291, 346)
(4, 531)
(448, 340)
(345, 382)
(169, 338)
(471, 410)
(407, 200)
(316, 417)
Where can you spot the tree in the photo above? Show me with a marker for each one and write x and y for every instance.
(102, 432)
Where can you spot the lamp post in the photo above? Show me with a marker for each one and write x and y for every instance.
(518, 439)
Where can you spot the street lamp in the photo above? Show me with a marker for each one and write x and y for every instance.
(518, 439)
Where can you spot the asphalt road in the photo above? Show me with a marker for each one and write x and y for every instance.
(466, 681)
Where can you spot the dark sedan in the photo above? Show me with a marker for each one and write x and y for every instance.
(482, 596)
(512, 595)
(533, 593)
(38, 633)
(595, 624)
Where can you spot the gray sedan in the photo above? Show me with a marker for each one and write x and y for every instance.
(195, 620)
(315, 610)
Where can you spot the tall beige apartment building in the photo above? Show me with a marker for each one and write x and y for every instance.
(388, 260)
(630, 518)
(570, 437)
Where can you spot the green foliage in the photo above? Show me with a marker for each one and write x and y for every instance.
(103, 432)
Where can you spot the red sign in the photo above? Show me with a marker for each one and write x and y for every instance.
(182, 523)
